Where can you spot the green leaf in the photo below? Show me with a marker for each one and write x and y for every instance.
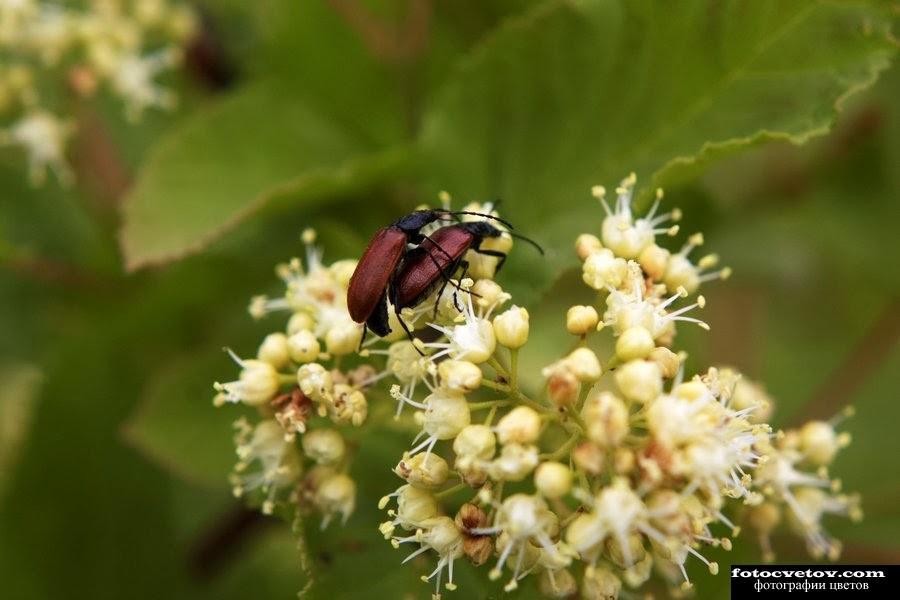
(580, 93)
(216, 169)
(17, 403)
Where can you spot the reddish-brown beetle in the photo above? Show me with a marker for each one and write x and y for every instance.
(423, 269)
(367, 293)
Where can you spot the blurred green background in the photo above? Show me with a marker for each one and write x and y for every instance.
(775, 126)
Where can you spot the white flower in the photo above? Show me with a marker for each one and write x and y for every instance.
(514, 463)
(553, 479)
(621, 232)
(446, 414)
(460, 375)
(324, 446)
(473, 340)
(603, 270)
(512, 327)
(43, 136)
(441, 535)
(257, 384)
(680, 272)
(266, 462)
(274, 350)
(419, 472)
(606, 418)
(335, 495)
(133, 79)
(521, 425)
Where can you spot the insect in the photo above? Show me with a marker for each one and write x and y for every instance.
(367, 293)
(423, 269)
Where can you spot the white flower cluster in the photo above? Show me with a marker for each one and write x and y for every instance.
(612, 471)
(615, 469)
(121, 44)
(302, 394)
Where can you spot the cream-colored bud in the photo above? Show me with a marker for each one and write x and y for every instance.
(324, 446)
(553, 479)
(581, 319)
(511, 327)
(600, 584)
(488, 294)
(256, 385)
(336, 495)
(634, 343)
(667, 361)
(342, 271)
(639, 381)
(477, 441)
(415, 506)
(603, 269)
(521, 425)
(300, 321)
(653, 261)
(315, 381)
(818, 442)
(589, 458)
(680, 272)
(606, 417)
(584, 364)
(447, 413)
(514, 463)
(586, 244)
(303, 346)
(423, 470)
(343, 338)
(562, 384)
(559, 584)
(459, 375)
(764, 517)
(348, 405)
(623, 460)
(274, 350)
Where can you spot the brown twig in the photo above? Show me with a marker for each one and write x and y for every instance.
(215, 546)
(861, 362)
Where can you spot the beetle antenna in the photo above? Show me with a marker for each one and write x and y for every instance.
(485, 215)
(519, 236)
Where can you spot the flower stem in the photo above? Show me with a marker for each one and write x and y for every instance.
(450, 490)
(564, 449)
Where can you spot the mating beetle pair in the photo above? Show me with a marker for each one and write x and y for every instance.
(390, 270)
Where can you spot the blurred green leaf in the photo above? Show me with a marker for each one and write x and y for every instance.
(578, 93)
(17, 402)
(216, 169)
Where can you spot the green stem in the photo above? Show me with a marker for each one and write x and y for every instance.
(450, 490)
(514, 368)
(488, 404)
(287, 379)
(562, 450)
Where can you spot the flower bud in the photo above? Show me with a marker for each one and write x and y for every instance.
(446, 415)
(442, 535)
(315, 382)
(300, 321)
(511, 327)
(653, 261)
(557, 584)
(324, 446)
(415, 506)
(588, 458)
(818, 442)
(667, 361)
(584, 364)
(600, 584)
(581, 319)
(634, 343)
(748, 393)
(477, 441)
(303, 347)
(603, 269)
(257, 384)
(521, 425)
(553, 479)
(459, 375)
(606, 418)
(343, 338)
(623, 460)
(562, 384)
(639, 381)
(764, 517)
(514, 463)
(423, 470)
(680, 272)
(488, 294)
(586, 244)
(625, 559)
(342, 271)
(336, 495)
(274, 350)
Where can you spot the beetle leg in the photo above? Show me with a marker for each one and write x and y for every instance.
(393, 295)
(494, 253)
(465, 268)
(436, 245)
(447, 280)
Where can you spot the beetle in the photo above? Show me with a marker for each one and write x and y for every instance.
(422, 269)
(367, 292)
